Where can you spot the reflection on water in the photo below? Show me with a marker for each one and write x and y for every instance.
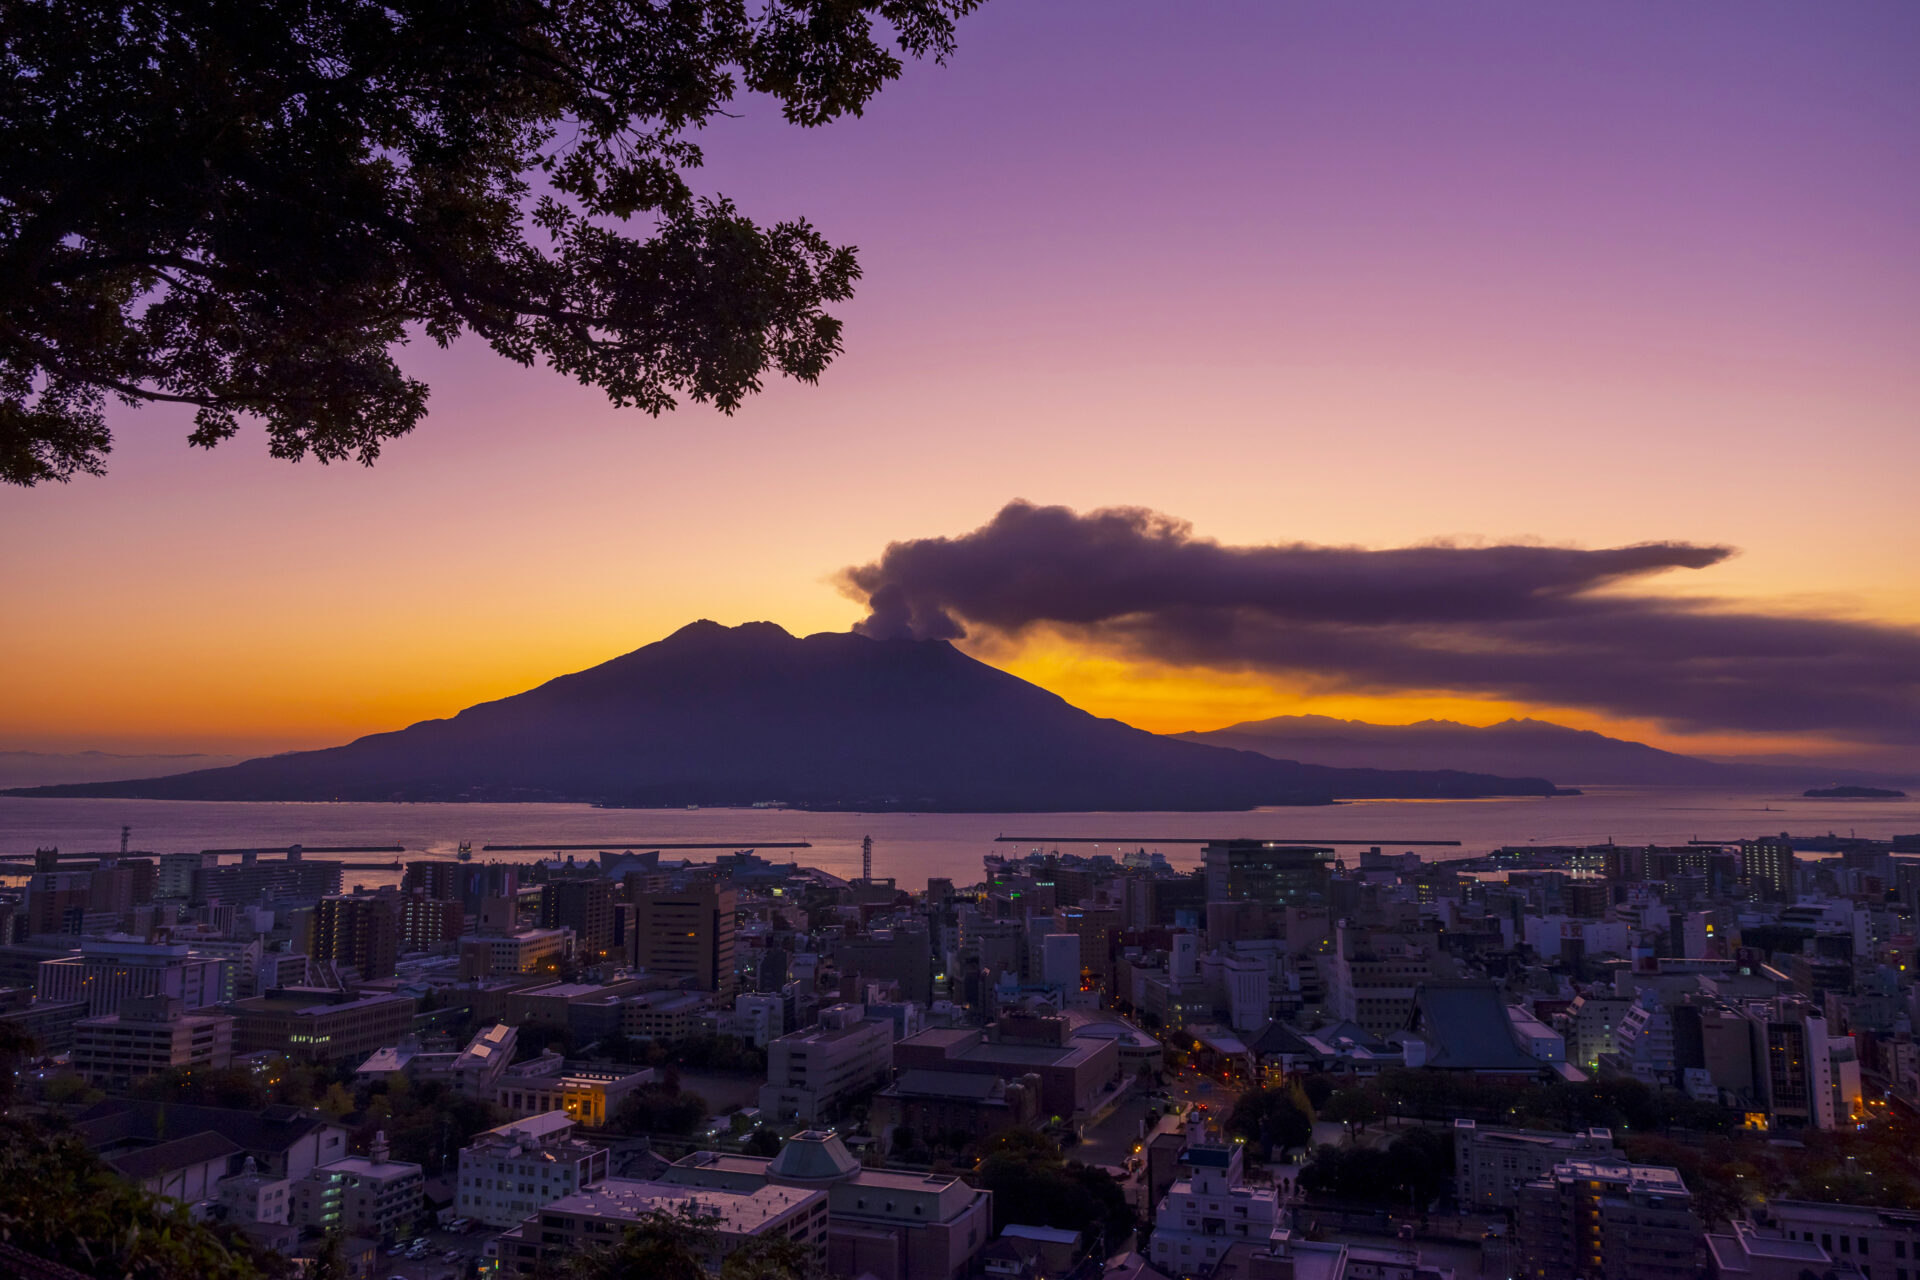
(911, 847)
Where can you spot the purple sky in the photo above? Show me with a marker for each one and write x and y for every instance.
(1343, 273)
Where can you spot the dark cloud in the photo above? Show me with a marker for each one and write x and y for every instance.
(1524, 623)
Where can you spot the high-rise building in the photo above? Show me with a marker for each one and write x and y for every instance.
(1607, 1220)
(687, 932)
(58, 900)
(1276, 875)
(584, 906)
(250, 879)
(362, 932)
(426, 922)
(471, 883)
(1767, 869)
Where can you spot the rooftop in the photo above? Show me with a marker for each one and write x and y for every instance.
(548, 1124)
(181, 1153)
(739, 1211)
(923, 1082)
(1636, 1177)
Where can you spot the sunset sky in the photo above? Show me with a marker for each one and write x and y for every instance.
(1358, 274)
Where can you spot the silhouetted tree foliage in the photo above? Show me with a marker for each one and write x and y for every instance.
(771, 1258)
(1355, 1108)
(658, 1246)
(1318, 1089)
(293, 1083)
(533, 1040)
(60, 1202)
(426, 1124)
(659, 1108)
(1273, 1118)
(1033, 1183)
(16, 1047)
(246, 208)
(1614, 1103)
(1411, 1170)
(1878, 1165)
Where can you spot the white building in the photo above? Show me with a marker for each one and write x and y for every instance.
(1210, 1210)
(112, 969)
(1060, 961)
(1539, 1039)
(372, 1196)
(512, 1172)
(1644, 1038)
(810, 1071)
(1588, 1026)
(253, 1196)
(756, 1017)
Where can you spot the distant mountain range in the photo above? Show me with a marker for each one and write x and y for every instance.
(39, 768)
(714, 715)
(1576, 757)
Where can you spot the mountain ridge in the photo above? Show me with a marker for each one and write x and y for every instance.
(737, 715)
(1578, 757)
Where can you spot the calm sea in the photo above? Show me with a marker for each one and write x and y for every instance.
(911, 847)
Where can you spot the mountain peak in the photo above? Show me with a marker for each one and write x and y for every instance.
(718, 715)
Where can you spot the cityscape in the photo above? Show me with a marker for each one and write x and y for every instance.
(959, 640)
(1241, 1058)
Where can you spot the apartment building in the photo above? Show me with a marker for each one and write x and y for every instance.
(1491, 1164)
(1607, 1220)
(373, 1196)
(509, 1173)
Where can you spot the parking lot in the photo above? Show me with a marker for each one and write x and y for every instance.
(436, 1264)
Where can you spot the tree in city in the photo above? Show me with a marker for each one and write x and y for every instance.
(659, 1108)
(1412, 1170)
(1034, 1183)
(1273, 1119)
(1355, 1108)
(771, 1258)
(16, 1049)
(658, 1245)
(60, 1202)
(246, 209)
(762, 1142)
